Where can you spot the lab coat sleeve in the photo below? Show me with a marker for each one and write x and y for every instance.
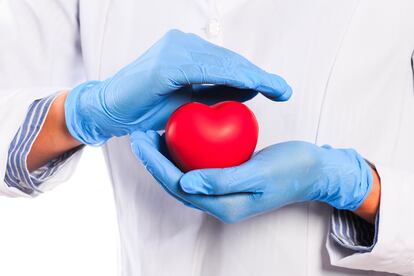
(39, 56)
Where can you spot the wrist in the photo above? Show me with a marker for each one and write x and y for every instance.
(54, 138)
(370, 206)
(83, 113)
(60, 134)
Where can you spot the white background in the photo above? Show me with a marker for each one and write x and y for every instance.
(71, 230)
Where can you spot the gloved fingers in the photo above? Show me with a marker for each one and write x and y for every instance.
(240, 179)
(227, 64)
(212, 94)
(227, 208)
(244, 77)
(140, 137)
(270, 85)
(146, 147)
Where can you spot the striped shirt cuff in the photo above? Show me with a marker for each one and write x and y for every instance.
(353, 232)
(17, 175)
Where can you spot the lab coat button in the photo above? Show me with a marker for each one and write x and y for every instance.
(213, 28)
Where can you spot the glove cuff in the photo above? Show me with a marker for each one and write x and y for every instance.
(347, 178)
(364, 187)
(80, 116)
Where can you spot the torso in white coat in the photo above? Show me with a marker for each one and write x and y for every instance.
(349, 65)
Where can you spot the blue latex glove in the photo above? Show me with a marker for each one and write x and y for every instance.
(145, 93)
(276, 176)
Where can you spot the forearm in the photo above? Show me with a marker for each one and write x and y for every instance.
(369, 207)
(54, 138)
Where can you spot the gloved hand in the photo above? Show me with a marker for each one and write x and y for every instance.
(276, 176)
(144, 94)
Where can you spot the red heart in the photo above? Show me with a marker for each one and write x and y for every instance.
(218, 136)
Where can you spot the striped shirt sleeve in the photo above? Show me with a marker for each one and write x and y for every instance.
(17, 175)
(353, 232)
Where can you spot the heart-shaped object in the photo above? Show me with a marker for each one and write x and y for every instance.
(218, 136)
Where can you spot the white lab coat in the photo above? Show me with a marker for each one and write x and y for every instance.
(349, 63)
